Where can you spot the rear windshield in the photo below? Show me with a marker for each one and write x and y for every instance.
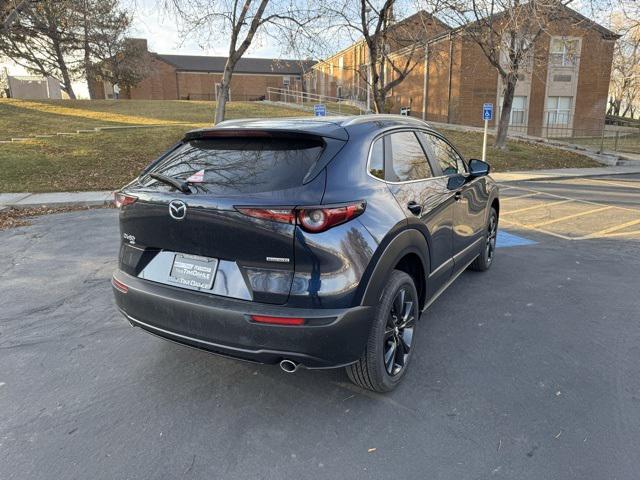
(238, 165)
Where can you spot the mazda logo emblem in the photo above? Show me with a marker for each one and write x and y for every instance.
(177, 209)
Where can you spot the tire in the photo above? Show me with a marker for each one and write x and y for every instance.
(485, 259)
(371, 371)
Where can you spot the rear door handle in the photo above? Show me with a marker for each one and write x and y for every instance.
(458, 195)
(414, 207)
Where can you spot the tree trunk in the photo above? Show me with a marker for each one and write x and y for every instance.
(224, 91)
(92, 84)
(378, 100)
(66, 81)
(505, 115)
(89, 69)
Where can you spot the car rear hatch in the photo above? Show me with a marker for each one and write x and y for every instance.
(214, 232)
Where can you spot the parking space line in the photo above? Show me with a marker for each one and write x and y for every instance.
(533, 207)
(569, 217)
(608, 182)
(555, 195)
(613, 229)
(540, 230)
(526, 195)
(620, 234)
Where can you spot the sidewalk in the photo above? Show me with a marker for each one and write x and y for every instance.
(93, 199)
(59, 199)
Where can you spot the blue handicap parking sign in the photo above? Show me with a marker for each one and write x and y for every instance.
(487, 111)
(320, 110)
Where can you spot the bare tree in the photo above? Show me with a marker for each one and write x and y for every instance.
(506, 31)
(106, 52)
(392, 47)
(624, 91)
(126, 63)
(241, 20)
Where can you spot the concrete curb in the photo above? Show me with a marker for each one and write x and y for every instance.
(532, 176)
(57, 199)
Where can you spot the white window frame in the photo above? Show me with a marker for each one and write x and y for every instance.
(523, 111)
(557, 113)
(564, 57)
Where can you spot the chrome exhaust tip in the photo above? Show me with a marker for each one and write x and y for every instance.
(289, 366)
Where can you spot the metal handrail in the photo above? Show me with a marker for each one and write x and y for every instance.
(301, 97)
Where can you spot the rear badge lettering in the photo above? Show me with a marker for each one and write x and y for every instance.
(277, 259)
(130, 238)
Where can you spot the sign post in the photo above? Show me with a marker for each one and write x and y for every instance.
(487, 114)
(320, 110)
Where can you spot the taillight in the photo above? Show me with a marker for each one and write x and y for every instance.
(277, 320)
(122, 199)
(311, 219)
(273, 214)
(316, 220)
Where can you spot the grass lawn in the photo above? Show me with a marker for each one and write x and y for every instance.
(20, 118)
(97, 161)
(109, 159)
(518, 155)
(626, 142)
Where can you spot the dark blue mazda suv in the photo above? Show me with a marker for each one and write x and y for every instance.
(306, 242)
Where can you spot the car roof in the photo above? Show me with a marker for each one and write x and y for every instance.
(331, 126)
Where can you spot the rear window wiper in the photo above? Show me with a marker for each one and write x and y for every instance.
(174, 182)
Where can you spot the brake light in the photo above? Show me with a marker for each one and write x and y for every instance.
(315, 220)
(273, 214)
(122, 199)
(277, 320)
(311, 219)
(118, 285)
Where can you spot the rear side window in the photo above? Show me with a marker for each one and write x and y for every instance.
(376, 160)
(240, 165)
(408, 160)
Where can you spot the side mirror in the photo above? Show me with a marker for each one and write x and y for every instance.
(478, 168)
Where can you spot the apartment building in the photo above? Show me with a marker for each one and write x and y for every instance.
(194, 77)
(561, 90)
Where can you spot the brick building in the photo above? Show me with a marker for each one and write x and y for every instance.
(192, 77)
(562, 89)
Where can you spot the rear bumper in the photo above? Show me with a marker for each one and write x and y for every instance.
(329, 338)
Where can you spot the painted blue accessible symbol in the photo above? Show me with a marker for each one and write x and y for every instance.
(487, 111)
(320, 110)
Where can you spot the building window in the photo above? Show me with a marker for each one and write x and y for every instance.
(564, 53)
(558, 110)
(518, 110)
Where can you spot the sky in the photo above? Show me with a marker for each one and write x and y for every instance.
(161, 32)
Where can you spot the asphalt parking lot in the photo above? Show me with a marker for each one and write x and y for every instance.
(529, 371)
(575, 209)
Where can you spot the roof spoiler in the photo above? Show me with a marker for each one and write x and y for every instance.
(205, 133)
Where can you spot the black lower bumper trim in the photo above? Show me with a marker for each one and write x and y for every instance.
(223, 326)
